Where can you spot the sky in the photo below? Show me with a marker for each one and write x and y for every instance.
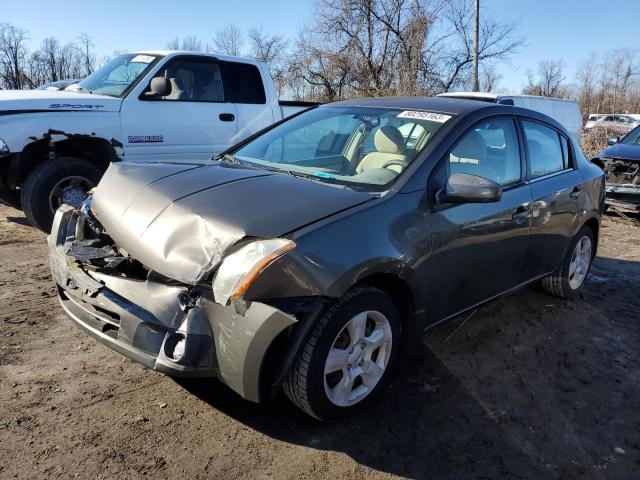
(553, 29)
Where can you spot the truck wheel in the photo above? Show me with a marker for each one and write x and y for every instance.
(54, 182)
(569, 278)
(347, 357)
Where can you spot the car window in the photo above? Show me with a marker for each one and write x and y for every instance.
(324, 138)
(489, 150)
(543, 146)
(193, 80)
(244, 83)
(565, 151)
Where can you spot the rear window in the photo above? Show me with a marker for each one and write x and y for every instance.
(544, 148)
(243, 83)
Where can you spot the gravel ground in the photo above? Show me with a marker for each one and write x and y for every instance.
(528, 387)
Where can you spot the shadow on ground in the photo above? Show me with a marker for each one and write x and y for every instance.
(531, 387)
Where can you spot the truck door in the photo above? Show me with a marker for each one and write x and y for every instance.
(193, 122)
(245, 88)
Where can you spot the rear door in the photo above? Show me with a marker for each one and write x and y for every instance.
(193, 122)
(479, 249)
(557, 197)
(245, 88)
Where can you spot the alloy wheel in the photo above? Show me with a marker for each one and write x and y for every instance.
(358, 358)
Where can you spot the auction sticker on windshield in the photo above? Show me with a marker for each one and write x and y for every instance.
(431, 116)
(142, 59)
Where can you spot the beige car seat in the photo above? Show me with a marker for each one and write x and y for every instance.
(177, 90)
(389, 144)
(470, 156)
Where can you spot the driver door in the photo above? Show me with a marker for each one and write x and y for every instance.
(193, 122)
(479, 249)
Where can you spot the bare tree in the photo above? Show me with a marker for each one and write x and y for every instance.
(271, 49)
(498, 40)
(189, 43)
(228, 40)
(489, 78)
(13, 57)
(87, 57)
(549, 81)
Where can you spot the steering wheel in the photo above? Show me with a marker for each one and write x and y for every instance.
(390, 163)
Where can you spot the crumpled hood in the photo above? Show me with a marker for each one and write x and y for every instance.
(179, 220)
(622, 150)
(21, 100)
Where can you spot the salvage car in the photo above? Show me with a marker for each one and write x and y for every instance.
(621, 164)
(313, 255)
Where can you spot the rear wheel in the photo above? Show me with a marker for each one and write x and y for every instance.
(347, 357)
(54, 182)
(569, 278)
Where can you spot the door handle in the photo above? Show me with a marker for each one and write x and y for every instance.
(521, 213)
(227, 117)
(575, 193)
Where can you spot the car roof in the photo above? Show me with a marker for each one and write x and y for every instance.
(171, 53)
(438, 104)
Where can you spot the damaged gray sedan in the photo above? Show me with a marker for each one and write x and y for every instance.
(313, 256)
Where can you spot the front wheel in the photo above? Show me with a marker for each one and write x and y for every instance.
(569, 278)
(54, 182)
(347, 357)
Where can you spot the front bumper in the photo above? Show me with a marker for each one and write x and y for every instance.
(625, 196)
(146, 321)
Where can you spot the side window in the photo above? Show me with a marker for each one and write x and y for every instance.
(193, 80)
(565, 151)
(244, 83)
(489, 150)
(543, 145)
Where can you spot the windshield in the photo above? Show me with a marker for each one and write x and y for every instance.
(116, 76)
(361, 147)
(632, 138)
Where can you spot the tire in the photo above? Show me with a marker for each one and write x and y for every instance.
(308, 385)
(562, 283)
(43, 181)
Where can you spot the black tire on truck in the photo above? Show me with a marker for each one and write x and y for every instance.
(54, 182)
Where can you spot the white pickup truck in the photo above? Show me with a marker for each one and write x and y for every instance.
(154, 105)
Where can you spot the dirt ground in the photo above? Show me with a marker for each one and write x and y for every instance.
(528, 387)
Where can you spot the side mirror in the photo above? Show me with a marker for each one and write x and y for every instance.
(467, 188)
(613, 140)
(159, 87)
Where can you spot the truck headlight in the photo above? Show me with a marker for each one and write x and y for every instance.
(240, 268)
(4, 148)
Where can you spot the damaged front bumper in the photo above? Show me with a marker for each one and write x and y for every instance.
(622, 183)
(161, 323)
(623, 196)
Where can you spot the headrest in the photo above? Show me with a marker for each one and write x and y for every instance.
(388, 139)
(471, 146)
(535, 148)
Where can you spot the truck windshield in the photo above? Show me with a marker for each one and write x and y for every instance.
(117, 76)
(365, 148)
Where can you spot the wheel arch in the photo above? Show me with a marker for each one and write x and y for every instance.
(95, 150)
(406, 301)
(594, 224)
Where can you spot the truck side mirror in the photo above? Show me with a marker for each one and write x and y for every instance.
(613, 140)
(159, 87)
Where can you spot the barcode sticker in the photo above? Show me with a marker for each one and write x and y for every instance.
(143, 59)
(431, 116)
